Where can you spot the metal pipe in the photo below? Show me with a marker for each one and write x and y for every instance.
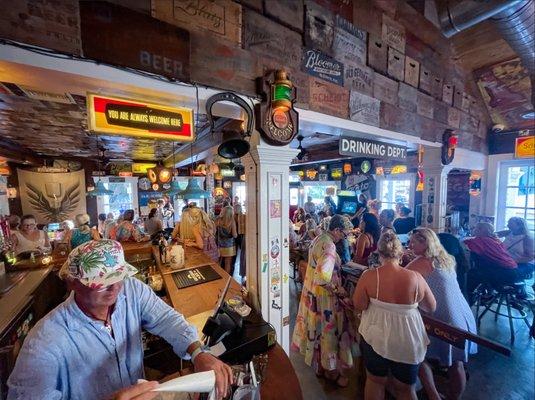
(457, 15)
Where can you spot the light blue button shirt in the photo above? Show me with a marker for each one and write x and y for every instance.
(67, 355)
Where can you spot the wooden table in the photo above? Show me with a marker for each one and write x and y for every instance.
(201, 298)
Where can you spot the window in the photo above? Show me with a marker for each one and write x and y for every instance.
(294, 196)
(240, 190)
(516, 194)
(394, 190)
(124, 196)
(318, 191)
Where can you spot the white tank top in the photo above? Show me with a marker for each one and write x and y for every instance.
(395, 331)
(24, 244)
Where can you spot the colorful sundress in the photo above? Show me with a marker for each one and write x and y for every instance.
(323, 332)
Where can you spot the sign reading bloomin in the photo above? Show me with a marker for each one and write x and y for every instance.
(116, 116)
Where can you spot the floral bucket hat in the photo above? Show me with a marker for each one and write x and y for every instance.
(98, 264)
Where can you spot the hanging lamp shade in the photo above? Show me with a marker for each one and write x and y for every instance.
(194, 191)
(174, 190)
(100, 190)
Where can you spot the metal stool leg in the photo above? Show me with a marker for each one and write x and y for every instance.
(498, 308)
(487, 307)
(510, 315)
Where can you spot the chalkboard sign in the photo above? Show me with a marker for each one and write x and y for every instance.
(195, 276)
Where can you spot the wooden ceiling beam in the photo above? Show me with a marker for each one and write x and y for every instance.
(14, 152)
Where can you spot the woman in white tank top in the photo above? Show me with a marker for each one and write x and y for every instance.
(393, 336)
(29, 238)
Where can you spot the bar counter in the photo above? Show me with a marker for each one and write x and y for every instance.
(197, 303)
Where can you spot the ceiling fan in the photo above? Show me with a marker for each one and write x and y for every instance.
(302, 152)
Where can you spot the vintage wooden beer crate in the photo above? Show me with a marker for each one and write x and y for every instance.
(454, 117)
(289, 12)
(363, 108)
(51, 24)
(349, 42)
(447, 93)
(395, 119)
(426, 79)
(328, 98)
(412, 71)
(319, 27)
(396, 64)
(222, 65)
(377, 54)
(358, 77)
(407, 97)
(219, 17)
(425, 105)
(393, 34)
(269, 39)
(385, 89)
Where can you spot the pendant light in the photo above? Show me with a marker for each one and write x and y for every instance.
(174, 190)
(194, 191)
(100, 189)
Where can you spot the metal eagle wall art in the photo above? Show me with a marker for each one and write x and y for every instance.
(59, 207)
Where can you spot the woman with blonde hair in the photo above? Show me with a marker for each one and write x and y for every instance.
(393, 336)
(438, 269)
(226, 233)
(82, 233)
(196, 229)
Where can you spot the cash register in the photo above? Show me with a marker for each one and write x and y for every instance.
(238, 338)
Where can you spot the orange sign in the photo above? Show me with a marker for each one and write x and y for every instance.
(525, 147)
(117, 116)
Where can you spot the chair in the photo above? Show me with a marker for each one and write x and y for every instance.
(488, 293)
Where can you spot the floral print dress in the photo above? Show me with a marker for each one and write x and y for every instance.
(323, 333)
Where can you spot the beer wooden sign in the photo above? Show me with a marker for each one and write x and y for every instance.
(329, 98)
(465, 102)
(272, 40)
(396, 64)
(425, 105)
(152, 45)
(447, 93)
(385, 89)
(407, 97)
(426, 80)
(219, 17)
(349, 42)
(222, 65)
(318, 64)
(363, 108)
(319, 27)
(51, 24)
(393, 34)
(288, 12)
(377, 54)
(412, 71)
(358, 77)
(454, 117)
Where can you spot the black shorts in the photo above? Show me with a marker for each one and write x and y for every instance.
(380, 366)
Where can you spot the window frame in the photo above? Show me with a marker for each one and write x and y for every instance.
(398, 177)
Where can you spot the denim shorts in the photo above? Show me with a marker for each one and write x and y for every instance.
(380, 366)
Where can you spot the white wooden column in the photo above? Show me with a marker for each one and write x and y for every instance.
(267, 170)
(435, 191)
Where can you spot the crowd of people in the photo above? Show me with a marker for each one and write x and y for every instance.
(221, 238)
(381, 319)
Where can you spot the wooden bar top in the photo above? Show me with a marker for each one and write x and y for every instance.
(197, 299)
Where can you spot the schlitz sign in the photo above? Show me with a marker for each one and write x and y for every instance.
(356, 147)
(127, 38)
(316, 63)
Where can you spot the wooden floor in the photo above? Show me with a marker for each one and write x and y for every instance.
(492, 376)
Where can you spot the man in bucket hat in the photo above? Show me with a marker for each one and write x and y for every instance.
(89, 347)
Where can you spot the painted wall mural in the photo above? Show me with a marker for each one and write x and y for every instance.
(506, 89)
(52, 197)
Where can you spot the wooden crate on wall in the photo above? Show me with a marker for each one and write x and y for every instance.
(377, 54)
(407, 97)
(289, 12)
(319, 27)
(363, 108)
(222, 65)
(395, 119)
(271, 40)
(358, 77)
(328, 98)
(54, 25)
(385, 89)
(222, 18)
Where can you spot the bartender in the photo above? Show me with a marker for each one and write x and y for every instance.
(89, 347)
